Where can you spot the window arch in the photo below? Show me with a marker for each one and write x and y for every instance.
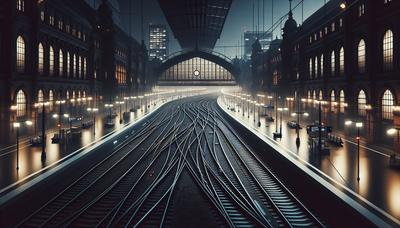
(341, 61)
(333, 63)
(316, 67)
(40, 58)
(67, 95)
(40, 96)
(21, 103)
(310, 69)
(342, 101)
(74, 68)
(61, 63)
(361, 56)
(321, 68)
(333, 99)
(362, 102)
(51, 60)
(314, 95)
(68, 64)
(387, 47)
(20, 54)
(387, 105)
(321, 95)
(51, 99)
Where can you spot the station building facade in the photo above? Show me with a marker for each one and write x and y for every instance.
(61, 50)
(346, 55)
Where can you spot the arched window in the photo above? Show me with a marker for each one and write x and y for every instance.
(342, 101)
(316, 67)
(79, 94)
(73, 94)
(21, 5)
(275, 77)
(84, 93)
(361, 56)
(79, 66)
(61, 63)
(40, 96)
(74, 64)
(51, 99)
(333, 100)
(314, 95)
(51, 61)
(341, 61)
(40, 58)
(388, 50)
(333, 63)
(362, 102)
(68, 64)
(310, 69)
(20, 54)
(67, 95)
(308, 94)
(84, 68)
(321, 95)
(21, 103)
(387, 105)
(321, 67)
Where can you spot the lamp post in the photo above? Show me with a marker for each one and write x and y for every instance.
(43, 106)
(120, 103)
(259, 96)
(17, 125)
(281, 110)
(358, 125)
(60, 103)
(298, 114)
(93, 111)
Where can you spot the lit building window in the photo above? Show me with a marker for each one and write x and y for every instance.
(387, 105)
(40, 58)
(308, 94)
(79, 75)
(314, 96)
(275, 78)
(61, 63)
(321, 95)
(333, 100)
(84, 67)
(74, 64)
(21, 5)
(68, 64)
(388, 50)
(51, 99)
(321, 67)
(361, 9)
(333, 63)
(21, 103)
(310, 69)
(67, 95)
(40, 96)
(361, 56)
(51, 61)
(341, 61)
(362, 102)
(316, 67)
(20, 54)
(342, 101)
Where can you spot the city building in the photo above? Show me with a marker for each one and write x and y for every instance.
(158, 41)
(61, 50)
(345, 54)
(250, 37)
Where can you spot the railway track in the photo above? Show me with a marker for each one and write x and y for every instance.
(135, 186)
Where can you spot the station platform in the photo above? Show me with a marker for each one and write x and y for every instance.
(375, 195)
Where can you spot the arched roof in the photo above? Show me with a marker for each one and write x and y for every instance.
(205, 54)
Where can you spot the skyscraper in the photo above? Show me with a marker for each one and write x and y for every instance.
(158, 41)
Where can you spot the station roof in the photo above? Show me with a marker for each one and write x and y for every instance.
(196, 23)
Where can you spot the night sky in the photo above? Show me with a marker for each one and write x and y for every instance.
(239, 19)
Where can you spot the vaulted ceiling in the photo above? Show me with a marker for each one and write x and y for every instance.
(196, 23)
